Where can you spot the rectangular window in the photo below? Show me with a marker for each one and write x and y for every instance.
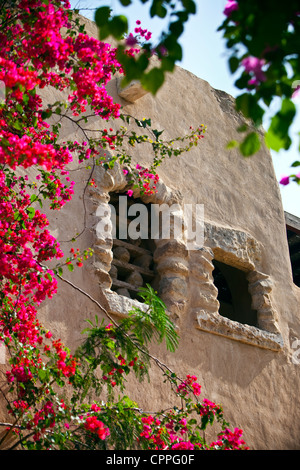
(132, 264)
(293, 237)
(233, 295)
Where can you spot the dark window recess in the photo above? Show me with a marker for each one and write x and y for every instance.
(132, 265)
(294, 248)
(235, 300)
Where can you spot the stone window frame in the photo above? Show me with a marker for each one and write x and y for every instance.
(237, 249)
(171, 256)
(182, 270)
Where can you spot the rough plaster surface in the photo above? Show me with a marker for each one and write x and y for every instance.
(258, 386)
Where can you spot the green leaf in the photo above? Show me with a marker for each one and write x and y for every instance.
(155, 320)
(234, 64)
(125, 3)
(102, 16)
(153, 80)
(25, 98)
(118, 26)
(133, 69)
(287, 114)
(242, 81)
(204, 422)
(157, 9)
(250, 145)
(173, 47)
(70, 267)
(277, 136)
(157, 133)
(17, 125)
(189, 5)
(142, 62)
(43, 375)
(274, 141)
(232, 144)
(33, 197)
(176, 28)
(30, 211)
(247, 103)
(192, 421)
(19, 108)
(167, 64)
(111, 345)
(242, 128)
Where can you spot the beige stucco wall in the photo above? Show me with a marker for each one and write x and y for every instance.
(258, 387)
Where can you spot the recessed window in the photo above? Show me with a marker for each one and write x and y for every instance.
(294, 248)
(132, 265)
(233, 296)
(293, 238)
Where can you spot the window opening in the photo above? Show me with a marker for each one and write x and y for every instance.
(233, 295)
(132, 265)
(294, 249)
(293, 238)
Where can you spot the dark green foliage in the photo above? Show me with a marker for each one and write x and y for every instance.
(168, 50)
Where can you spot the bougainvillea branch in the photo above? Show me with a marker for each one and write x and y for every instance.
(44, 46)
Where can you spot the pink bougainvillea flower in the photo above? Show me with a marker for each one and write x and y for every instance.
(130, 192)
(183, 446)
(285, 180)
(254, 65)
(296, 92)
(230, 6)
(131, 40)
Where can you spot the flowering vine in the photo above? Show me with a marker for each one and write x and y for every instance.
(42, 371)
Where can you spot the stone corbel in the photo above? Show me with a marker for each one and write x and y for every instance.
(132, 92)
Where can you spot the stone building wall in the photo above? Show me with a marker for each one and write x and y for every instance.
(249, 368)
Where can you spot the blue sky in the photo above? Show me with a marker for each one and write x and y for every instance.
(205, 55)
